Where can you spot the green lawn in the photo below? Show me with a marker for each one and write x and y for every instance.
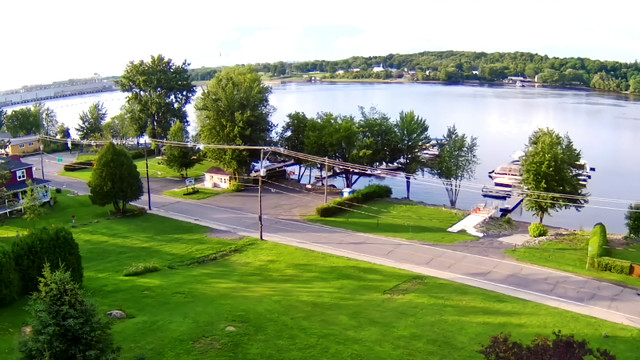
(569, 253)
(156, 169)
(284, 302)
(405, 220)
(202, 193)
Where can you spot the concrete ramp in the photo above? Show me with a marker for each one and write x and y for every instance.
(469, 223)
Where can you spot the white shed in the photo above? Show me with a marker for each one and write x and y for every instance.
(217, 177)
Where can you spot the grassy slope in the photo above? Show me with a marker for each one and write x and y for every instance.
(285, 302)
(570, 254)
(155, 170)
(405, 220)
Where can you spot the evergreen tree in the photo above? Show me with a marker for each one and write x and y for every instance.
(64, 324)
(115, 179)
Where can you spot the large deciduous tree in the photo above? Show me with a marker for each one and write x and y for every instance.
(23, 121)
(48, 118)
(292, 137)
(548, 171)
(64, 324)
(234, 110)
(455, 163)
(91, 122)
(115, 179)
(159, 93)
(3, 113)
(179, 157)
(379, 138)
(413, 134)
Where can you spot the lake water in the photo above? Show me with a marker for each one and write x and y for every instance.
(605, 127)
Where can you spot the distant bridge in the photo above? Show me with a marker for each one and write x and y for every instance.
(33, 94)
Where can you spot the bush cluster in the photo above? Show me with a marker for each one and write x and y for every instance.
(78, 165)
(537, 230)
(598, 244)
(369, 193)
(55, 246)
(140, 269)
(615, 266)
(236, 186)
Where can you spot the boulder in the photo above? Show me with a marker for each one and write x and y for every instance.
(230, 328)
(26, 330)
(117, 314)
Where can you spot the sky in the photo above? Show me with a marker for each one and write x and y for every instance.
(45, 41)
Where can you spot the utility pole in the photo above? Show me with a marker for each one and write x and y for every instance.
(146, 161)
(326, 178)
(260, 193)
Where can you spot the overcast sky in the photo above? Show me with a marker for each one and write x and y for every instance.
(44, 41)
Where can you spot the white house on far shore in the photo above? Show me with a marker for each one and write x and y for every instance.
(217, 177)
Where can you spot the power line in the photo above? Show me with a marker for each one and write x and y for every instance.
(358, 169)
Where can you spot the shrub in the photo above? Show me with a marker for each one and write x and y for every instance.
(633, 220)
(236, 186)
(562, 347)
(597, 243)
(9, 280)
(615, 266)
(66, 325)
(139, 269)
(537, 230)
(78, 165)
(55, 246)
(369, 193)
(58, 190)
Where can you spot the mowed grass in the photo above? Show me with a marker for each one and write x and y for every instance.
(569, 253)
(157, 169)
(405, 220)
(202, 193)
(284, 302)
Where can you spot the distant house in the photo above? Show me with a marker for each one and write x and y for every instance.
(217, 177)
(378, 68)
(341, 71)
(17, 185)
(21, 145)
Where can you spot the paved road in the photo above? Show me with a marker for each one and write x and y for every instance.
(238, 213)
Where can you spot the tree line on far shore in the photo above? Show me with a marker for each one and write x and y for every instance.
(460, 66)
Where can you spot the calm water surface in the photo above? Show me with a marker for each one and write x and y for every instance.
(605, 127)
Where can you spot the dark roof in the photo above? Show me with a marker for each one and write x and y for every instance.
(13, 164)
(23, 185)
(217, 170)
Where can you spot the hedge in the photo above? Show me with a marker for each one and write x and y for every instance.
(139, 154)
(78, 165)
(369, 193)
(55, 246)
(9, 280)
(616, 266)
(598, 245)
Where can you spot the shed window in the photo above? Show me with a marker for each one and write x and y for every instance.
(21, 174)
(21, 146)
(31, 144)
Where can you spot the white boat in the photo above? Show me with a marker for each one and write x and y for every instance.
(513, 171)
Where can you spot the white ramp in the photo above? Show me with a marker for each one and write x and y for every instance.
(469, 223)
